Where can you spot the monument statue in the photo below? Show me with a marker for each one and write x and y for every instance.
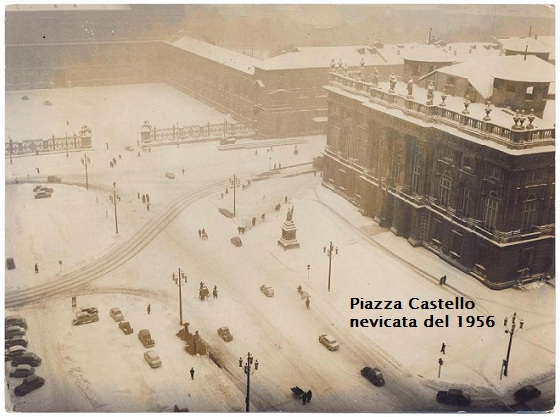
(290, 214)
(409, 86)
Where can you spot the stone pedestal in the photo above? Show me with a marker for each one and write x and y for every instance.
(288, 239)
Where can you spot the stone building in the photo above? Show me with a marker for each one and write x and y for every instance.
(470, 182)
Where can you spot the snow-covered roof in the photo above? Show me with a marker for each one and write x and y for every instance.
(533, 45)
(320, 57)
(63, 7)
(427, 53)
(481, 72)
(214, 53)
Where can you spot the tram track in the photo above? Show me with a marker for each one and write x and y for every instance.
(115, 258)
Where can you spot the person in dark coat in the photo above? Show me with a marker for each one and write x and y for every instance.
(192, 373)
(199, 233)
(442, 348)
(304, 398)
(36, 268)
(309, 394)
(149, 309)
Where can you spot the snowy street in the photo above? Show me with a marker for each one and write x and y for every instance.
(96, 368)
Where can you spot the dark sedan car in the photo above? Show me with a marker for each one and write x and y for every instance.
(31, 383)
(373, 375)
(28, 358)
(526, 393)
(22, 371)
(453, 397)
(16, 340)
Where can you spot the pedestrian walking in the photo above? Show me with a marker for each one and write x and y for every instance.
(309, 395)
(441, 281)
(304, 397)
(147, 198)
(183, 170)
(192, 373)
(97, 200)
(38, 171)
(143, 198)
(286, 199)
(445, 280)
(148, 207)
(120, 157)
(36, 268)
(138, 154)
(307, 302)
(149, 309)
(199, 233)
(215, 293)
(442, 348)
(203, 231)
(138, 196)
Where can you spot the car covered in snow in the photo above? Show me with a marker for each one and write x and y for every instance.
(125, 327)
(42, 194)
(53, 178)
(170, 175)
(526, 393)
(29, 384)
(373, 375)
(128, 148)
(225, 334)
(267, 290)
(16, 340)
(12, 331)
(116, 314)
(15, 320)
(22, 371)
(329, 342)
(90, 310)
(152, 358)
(14, 351)
(28, 358)
(236, 241)
(146, 338)
(84, 318)
(453, 397)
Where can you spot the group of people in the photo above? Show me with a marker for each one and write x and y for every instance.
(204, 293)
(145, 200)
(202, 233)
(307, 397)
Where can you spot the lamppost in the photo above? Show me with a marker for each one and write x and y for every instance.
(11, 149)
(440, 362)
(248, 372)
(234, 182)
(85, 162)
(115, 204)
(511, 331)
(180, 279)
(330, 252)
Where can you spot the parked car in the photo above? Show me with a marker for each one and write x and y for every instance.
(225, 334)
(84, 318)
(12, 331)
(37, 187)
(46, 189)
(125, 327)
(13, 352)
(170, 175)
(146, 338)
(31, 383)
(90, 310)
(16, 341)
(53, 178)
(22, 371)
(10, 264)
(267, 290)
(42, 194)
(129, 148)
(373, 375)
(526, 393)
(15, 320)
(28, 358)
(454, 397)
(152, 358)
(236, 241)
(329, 342)
(116, 314)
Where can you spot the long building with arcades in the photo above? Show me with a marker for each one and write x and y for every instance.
(471, 182)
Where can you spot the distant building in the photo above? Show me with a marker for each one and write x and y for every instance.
(472, 183)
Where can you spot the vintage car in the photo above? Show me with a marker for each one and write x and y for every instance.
(454, 397)
(170, 175)
(267, 290)
(329, 342)
(30, 383)
(152, 358)
(236, 241)
(526, 393)
(146, 338)
(125, 327)
(28, 358)
(373, 375)
(53, 178)
(22, 371)
(116, 314)
(225, 334)
(84, 318)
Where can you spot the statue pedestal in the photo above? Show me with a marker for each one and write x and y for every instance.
(288, 239)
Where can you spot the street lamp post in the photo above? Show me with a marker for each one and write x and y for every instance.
(511, 331)
(330, 252)
(115, 204)
(248, 372)
(440, 362)
(11, 142)
(85, 162)
(180, 279)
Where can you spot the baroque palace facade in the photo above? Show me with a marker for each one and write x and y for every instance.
(471, 182)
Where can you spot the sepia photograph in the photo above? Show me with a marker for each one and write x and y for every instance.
(298, 208)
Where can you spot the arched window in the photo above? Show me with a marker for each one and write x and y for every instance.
(491, 208)
(445, 188)
(416, 173)
(528, 212)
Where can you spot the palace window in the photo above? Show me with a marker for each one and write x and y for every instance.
(416, 173)
(444, 189)
(495, 173)
(491, 208)
(528, 212)
(530, 93)
(466, 200)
